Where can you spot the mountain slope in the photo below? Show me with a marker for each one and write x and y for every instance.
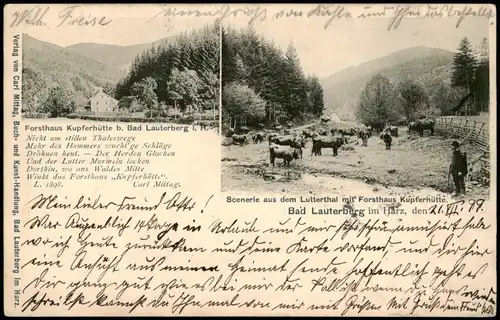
(65, 66)
(428, 65)
(71, 70)
(117, 56)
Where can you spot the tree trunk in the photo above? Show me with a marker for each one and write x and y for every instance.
(213, 109)
(175, 109)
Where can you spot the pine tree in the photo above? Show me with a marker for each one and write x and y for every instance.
(240, 70)
(464, 64)
(481, 85)
(276, 77)
(228, 54)
(197, 51)
(295, 84)
(315, 94)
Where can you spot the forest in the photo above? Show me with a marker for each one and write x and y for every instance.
(179, 76)
(466, 93)
(261, 84)
(182, 74)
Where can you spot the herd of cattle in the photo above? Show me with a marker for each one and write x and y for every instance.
(290, 145)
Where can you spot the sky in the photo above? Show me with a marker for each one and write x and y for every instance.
(346, 43)
(131, 24)
(322, 51)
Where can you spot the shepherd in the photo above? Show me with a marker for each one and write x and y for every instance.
(458, 168)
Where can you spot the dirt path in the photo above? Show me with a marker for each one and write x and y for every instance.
(249, 182)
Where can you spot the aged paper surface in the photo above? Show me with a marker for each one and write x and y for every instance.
(250, 160)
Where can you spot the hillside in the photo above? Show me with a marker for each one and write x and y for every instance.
(119, 57)
(429, 65)
(68, 68)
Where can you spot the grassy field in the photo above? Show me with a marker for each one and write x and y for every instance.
(412, 163)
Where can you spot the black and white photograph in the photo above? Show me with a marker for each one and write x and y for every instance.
(250, 159)
(158, 74)
(357, 105)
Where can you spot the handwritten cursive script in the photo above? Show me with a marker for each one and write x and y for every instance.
(353, 267)
(127, 203)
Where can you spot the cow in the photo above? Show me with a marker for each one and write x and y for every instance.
(307, 133)
(403, 121)
(281, 140)
(377, 126)
(229, 133)
(274, 126)
(326, 142)
(393, 130)
(258, 137)
(386, 137)
(243, 130)
(300, 141)
(412, 126)
(322, 132)
(291, 141)
(239, 139)
(286, 153)
(348, 132)
(421, 125)
(271, 136)
(364, 134)
(370, 131)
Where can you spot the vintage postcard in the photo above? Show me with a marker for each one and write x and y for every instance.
(250, 159)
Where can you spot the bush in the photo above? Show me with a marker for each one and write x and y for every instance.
(35, 115)
(209, 115)
(185, 120)
(59, 102)
(155, 114)
(207, 123)
(241, 100)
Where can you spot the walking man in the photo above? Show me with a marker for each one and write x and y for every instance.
(458, 168)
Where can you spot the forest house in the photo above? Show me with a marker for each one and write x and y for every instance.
(101, 102)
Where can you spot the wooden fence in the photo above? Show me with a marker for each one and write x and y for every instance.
(467, 128)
